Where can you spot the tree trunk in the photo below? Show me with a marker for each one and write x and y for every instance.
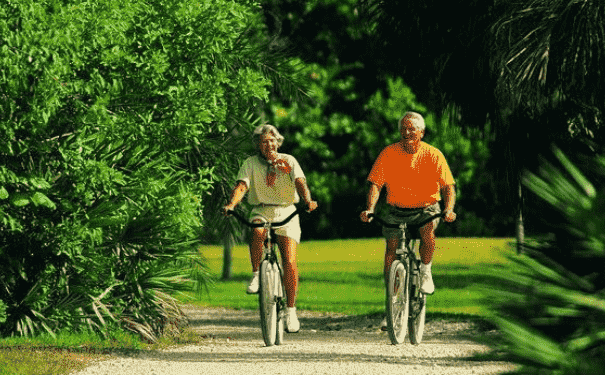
(520, 229)
(228, 243)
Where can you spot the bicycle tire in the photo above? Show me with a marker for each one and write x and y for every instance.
(397, 302)
(281, 306)
(417, 309)
(267, 303)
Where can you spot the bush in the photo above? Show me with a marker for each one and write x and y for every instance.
(2, 312)
(552, 308)
(106, 107)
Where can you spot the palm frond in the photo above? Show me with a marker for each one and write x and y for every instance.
(550, 303)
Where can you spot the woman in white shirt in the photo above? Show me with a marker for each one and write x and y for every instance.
(274, 183)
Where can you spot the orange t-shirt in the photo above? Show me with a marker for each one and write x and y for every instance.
(411, 180)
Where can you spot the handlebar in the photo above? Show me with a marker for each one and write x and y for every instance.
(258, 225)
(418, 225)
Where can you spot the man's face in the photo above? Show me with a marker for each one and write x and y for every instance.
(410, 135)
(268, 146)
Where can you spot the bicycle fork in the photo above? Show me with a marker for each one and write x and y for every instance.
(279, 294)
(416, 300)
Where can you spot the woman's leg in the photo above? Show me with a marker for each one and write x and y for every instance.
(256, 246)
(287, 247)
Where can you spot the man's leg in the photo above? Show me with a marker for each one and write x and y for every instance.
(427, 248)
(427, 243)
(389, 256)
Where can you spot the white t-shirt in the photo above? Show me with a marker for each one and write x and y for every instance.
(254, 173)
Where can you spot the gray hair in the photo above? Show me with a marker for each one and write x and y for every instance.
(415, 118)
(264, 129)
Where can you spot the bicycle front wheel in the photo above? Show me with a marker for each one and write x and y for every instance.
(397, 305)
(417, 309)
(281, 305)
(267, 302)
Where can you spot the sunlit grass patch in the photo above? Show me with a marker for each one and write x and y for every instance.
(345, 276)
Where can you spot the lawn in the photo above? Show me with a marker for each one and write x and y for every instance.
(335, 276)
(345, 276)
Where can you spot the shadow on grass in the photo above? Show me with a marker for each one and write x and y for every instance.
(463, 277)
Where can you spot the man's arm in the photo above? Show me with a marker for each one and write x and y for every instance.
(237, 195)
(449, 201)
(373, 195)
(305, 193)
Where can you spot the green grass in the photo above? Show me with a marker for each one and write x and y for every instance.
(345, 276)
(69, 352)
(342, 276)
(66, 353)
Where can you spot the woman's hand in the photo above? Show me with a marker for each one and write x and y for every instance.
(311, 206)
(227, 208)
(282, 165)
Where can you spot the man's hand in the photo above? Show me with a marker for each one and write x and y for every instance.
(449, 216)
(364, 216)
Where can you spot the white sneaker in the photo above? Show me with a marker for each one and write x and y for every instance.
(383, 325)
(292, 323)
(426, 279)
(253, 286)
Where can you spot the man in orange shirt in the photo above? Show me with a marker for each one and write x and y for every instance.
(416, 177)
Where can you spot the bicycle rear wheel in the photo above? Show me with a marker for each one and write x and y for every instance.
(417, 308)
(267, 302)
(397, 305)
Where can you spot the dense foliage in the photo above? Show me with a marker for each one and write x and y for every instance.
(352, 115)
(552, 307)
(532, 68)
(107, 109)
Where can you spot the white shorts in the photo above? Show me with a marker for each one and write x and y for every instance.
(279, 213)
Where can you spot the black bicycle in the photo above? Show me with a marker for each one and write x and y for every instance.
(405, 303)
(272, 292)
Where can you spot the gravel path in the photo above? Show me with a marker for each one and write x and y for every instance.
(327, 344)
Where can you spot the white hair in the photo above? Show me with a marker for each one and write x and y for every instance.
(415, 118)
(266, 128)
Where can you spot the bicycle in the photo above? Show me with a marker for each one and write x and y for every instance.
(405, 303)
(272, 291)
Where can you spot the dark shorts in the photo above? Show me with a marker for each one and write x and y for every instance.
(411, 216)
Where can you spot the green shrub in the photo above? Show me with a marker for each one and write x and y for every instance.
(105, 110)
(552, 308)
(2, 312)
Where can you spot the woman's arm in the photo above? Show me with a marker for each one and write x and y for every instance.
(237, 195)
(305, 193)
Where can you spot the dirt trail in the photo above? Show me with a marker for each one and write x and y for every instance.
(327, 344)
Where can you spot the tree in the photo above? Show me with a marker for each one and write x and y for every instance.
(108, 110)
(351, 115)
(531, 68)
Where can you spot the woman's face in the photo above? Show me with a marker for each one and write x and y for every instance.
(268, 146)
